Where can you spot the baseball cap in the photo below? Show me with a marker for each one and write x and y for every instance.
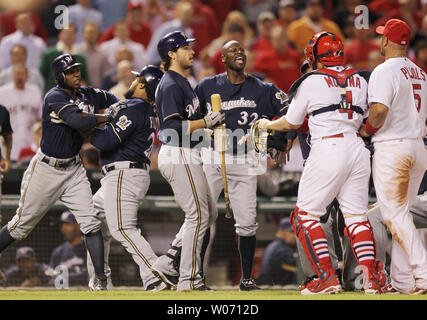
(396, 31)
(172, 42)
(285, 224)
(266, 15)
(25, 253)
(134, 5)
(68, 217)
(286, 3)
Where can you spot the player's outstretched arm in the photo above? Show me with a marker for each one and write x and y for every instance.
(280, 124)
(377, 115)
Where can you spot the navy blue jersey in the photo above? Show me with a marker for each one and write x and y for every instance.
(130, 136)
(176, 102)
(243, 103)
(59, 140)
(5, 126)
(74, 258)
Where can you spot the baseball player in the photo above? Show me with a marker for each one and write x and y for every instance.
(179, 160)
(244, 99)
(6, 134)
(125, 146)
(338, 166)
(397, 117)
(56, 171)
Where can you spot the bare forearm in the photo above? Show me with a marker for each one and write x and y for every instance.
(194, 125)
(7, 145)
(377, 115)
(281, 124)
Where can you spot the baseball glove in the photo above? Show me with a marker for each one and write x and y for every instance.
(264, 141)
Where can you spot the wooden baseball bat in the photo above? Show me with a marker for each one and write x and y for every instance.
(216, 107)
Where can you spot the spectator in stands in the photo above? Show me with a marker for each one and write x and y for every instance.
(356, 51)
(24, 103)
(23, 35)
(374, 59)
(111, 11)
(286, 13)
(72, 252)
(421, 55)
(156, 13)
(125, 79)
(344, 16)
(264, 25)
(121, 39)
(65, 44)
(81, 13)
(237, 17)
(205, 71)
(280, 63)
(8, 23)
(27, 272)
(420, 34)
(27, 153)
(252, 9)
(205, 25)
(300, 31)
(6, 141)
(222, 8)
(18, 54)
(139, 31)
(183, 16)
(90, 156)
(97, 61)
(279, 261)
(110, 79)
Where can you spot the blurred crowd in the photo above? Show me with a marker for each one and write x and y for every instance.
(112, 37)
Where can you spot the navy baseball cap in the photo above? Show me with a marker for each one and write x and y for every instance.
(68, 217)
(25, 253)
(285, 225)
(172, 42)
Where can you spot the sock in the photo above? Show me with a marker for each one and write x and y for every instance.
(247, 247)
(5, 238)
(363, 243)
(205, 244)
(95, 245)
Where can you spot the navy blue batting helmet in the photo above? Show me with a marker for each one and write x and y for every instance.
(150, 75)
(61, 64)
(172, 42)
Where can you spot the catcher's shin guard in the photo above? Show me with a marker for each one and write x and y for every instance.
(313, 240)
(362, 242)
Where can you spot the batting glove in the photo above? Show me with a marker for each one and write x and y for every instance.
(213, 119)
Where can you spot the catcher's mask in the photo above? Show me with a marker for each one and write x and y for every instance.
(325, 47)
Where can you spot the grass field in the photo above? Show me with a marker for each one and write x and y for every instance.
(126, 294)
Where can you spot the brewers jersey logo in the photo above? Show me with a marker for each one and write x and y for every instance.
(283, 97)
(123, 122)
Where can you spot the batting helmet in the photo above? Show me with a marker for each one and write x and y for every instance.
(61, 64)
(172, 42)
(325, 47)
(150, 75)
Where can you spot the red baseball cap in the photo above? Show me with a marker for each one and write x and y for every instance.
(134, 5)
(396, 30)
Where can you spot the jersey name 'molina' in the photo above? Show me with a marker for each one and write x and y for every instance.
(351, 82)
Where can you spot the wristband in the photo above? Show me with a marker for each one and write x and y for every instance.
(370, 129)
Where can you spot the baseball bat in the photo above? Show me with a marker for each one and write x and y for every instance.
(216, 107)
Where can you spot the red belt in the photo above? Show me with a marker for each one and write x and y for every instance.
(339, 135)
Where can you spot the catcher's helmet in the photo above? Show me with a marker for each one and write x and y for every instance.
(150, 75)
(172, 42)
(325, 47)
(61, 64)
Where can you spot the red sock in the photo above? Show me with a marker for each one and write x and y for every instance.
(363, 243)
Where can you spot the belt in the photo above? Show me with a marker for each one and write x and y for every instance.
(60, 164)
(339, 135)
(126, 165)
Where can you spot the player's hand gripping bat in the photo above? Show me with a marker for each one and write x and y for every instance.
(221, 146)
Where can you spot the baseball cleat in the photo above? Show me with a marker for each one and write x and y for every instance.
(416, 290)
(329, 285)
(307, 280)
(99, 284)
(376, 280)
(248, 285)
(158, 286)
(389, 289)
(158, 274)
(204, 287)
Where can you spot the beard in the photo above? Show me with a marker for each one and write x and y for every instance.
(129, 93)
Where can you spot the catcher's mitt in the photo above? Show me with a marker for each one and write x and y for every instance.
(264, 141)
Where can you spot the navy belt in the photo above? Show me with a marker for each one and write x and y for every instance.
(112, 166)
(60, 164)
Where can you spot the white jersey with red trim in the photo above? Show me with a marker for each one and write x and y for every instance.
(401, 85)
(319, 91)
